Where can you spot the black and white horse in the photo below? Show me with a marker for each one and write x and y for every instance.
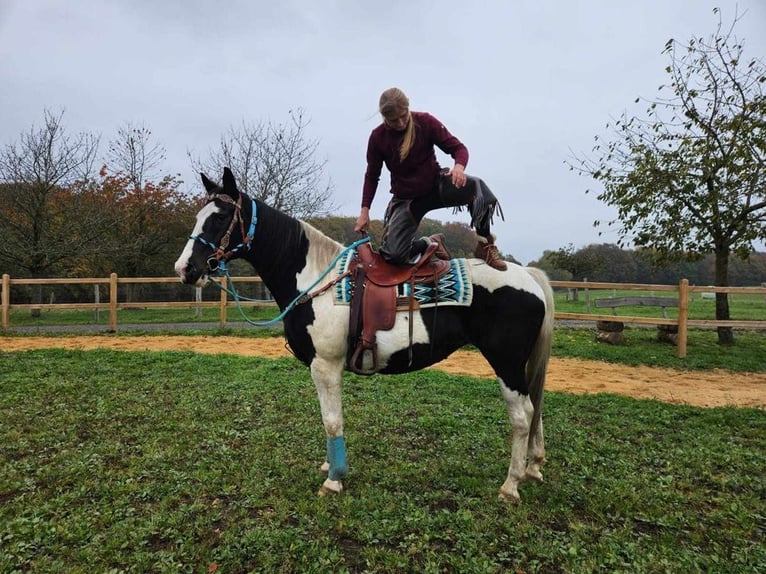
(509, 319)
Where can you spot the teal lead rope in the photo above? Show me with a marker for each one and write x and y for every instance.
(223, 271)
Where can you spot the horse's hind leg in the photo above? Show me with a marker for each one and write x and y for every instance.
(327, 378)
(536, 453)
(520, 413)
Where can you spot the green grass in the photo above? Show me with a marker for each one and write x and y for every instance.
(67, 317)
(741, 307)
(748, 354)
(173, 462)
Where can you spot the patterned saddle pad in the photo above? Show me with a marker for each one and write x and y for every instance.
(455, 287)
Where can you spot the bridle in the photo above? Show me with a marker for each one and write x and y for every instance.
(216, 263)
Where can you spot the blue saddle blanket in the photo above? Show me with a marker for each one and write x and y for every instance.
(455, 287)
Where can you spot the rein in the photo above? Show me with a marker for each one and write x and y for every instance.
(302, 297)
(217, 262)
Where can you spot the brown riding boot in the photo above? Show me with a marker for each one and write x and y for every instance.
(487, 251)
(441, 251)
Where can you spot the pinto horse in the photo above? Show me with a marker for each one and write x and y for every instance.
(509, 319)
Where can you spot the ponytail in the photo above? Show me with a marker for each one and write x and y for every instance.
(394, 100)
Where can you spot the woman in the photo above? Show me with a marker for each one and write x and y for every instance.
(405, 143)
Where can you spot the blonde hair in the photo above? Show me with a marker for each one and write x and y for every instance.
(394, 101)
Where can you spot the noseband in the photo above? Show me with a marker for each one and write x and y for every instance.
(217, 261)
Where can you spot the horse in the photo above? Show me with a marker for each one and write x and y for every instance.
(509, 320)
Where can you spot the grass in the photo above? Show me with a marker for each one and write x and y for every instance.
(748, 354)
(176, 462)
(68, 317)
(741, 307)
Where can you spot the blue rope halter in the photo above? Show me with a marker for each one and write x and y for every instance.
(220, 255)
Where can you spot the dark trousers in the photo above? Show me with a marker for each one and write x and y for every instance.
(403, 216)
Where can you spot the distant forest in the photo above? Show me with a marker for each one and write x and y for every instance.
(595, 262)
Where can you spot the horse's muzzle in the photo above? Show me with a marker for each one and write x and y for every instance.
(190, 275)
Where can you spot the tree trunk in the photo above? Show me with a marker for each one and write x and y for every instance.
(725, 334)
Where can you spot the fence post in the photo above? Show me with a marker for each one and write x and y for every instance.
(224, 301)
(5, 297)
(587, 296)
(97, 297)
(683, 316)
(113, 302)
(198, 300)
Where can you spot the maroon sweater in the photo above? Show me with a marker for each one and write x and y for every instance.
(416, 175)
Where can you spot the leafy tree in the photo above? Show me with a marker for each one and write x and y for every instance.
(549, 263)
(149, 225)
(689, 178)
(459, 237)
(274, 163)
(48, 210)
(750, 272)
(607, 262)
(579, 264)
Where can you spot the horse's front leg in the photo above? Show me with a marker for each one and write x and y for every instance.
(327, 377)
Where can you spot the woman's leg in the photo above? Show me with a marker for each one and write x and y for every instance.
(482, 205)
(399, 228)
(403, 216)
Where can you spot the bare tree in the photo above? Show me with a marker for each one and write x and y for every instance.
(134, 154)
(274, 163)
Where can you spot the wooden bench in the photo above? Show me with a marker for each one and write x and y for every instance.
(612, 331)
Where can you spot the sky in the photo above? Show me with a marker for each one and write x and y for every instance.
(525, 84)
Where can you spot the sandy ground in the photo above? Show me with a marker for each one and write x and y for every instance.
(704, 389)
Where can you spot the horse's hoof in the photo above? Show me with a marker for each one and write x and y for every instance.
(330, 487)
(508, 497)
(325, 468)
(535, 475)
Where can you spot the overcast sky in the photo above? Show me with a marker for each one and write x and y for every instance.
(523, 83)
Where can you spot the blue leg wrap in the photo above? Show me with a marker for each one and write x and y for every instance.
(336, 456)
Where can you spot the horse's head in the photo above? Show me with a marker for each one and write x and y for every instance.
(221, 232)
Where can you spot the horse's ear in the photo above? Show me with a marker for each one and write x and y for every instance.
(229, 185)
(209, 185)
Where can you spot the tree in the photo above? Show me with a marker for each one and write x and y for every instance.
(580, 264)
(689, 178)
(149, 224)
(549, 263)
(134, 154)
(146, 206)
(48, 209)
(275, 163)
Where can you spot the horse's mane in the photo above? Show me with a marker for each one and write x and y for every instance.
(326, 247)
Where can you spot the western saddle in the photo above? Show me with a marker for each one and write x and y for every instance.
(374, 300)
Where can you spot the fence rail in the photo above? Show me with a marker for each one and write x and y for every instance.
(113, 304)
(683, 292)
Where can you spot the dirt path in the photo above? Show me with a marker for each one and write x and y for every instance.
(704, 389)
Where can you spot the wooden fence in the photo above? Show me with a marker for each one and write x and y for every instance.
(112, 304)
(682, 291)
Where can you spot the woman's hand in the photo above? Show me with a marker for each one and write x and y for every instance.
(363, 221)
(458, 175)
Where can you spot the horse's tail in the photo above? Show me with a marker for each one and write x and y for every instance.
(538, 360)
